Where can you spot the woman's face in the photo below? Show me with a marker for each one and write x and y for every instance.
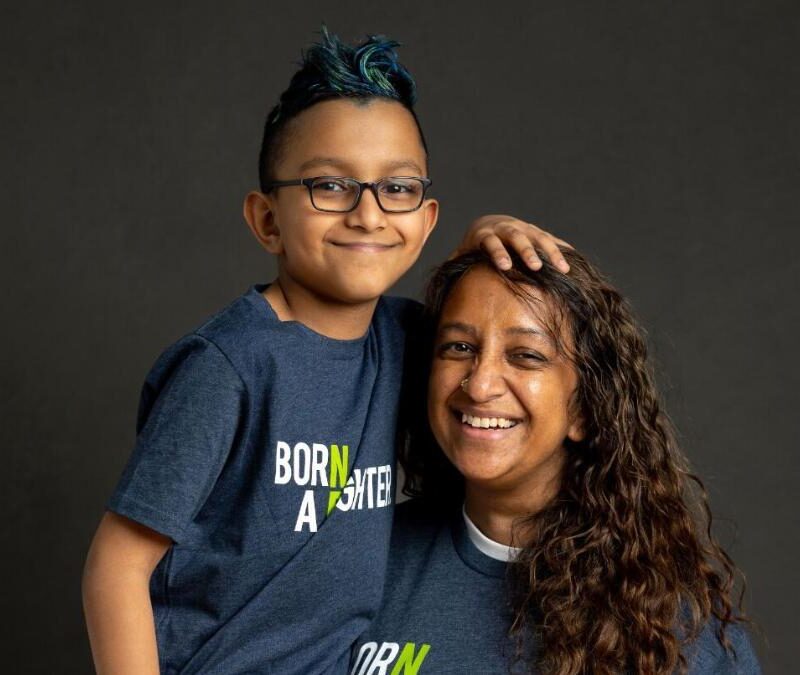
(504, 428)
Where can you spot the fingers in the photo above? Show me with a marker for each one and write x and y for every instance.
(497, 235)
(521, 242)
(563, 243)
(457, 252)
(493, 245)
(549, 247)
(525, 238)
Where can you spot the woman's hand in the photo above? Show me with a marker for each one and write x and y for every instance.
(497, 233)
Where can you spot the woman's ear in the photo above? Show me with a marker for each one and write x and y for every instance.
(575, 432)
(577, 429)
(260, 217)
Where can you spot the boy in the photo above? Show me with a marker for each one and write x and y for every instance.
(249, 531)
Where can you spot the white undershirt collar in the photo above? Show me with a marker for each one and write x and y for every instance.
(489, 547)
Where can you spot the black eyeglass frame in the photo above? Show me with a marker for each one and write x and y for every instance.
(372, 186)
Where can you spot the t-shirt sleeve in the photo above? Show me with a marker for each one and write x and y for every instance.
(407, 312)
(708, 657)
(189, 414)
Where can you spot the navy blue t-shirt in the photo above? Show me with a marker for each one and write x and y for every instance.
(266, 452)
(446, 610)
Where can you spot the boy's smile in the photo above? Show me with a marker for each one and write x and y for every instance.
(343, 258)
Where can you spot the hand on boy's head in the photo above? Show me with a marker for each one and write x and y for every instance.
(496, 233)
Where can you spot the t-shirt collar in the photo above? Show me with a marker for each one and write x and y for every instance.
(490, 547)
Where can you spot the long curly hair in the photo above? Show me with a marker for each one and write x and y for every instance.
(620, 569)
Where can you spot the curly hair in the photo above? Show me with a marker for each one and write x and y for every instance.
(332, 69)
(620, 569)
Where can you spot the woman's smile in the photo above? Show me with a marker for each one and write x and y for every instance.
(484, 426)
(500, 391)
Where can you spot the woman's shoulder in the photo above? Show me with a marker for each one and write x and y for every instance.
(707, 655)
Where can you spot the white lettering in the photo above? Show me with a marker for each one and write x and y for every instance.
(365, 655)
(307, 514)
(345, 502)
(383, 659)
(381, 486)
(358, 498)
(283, 471)
(319, 465)
(369, 473)
(302, 463)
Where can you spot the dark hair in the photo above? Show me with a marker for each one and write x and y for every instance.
(620, 569)
(331, 69)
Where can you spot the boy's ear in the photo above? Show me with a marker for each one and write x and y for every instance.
(261, 219)
(430, 209)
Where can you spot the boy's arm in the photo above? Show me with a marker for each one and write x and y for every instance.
(497, 233)
(116, 596)
(190, 411)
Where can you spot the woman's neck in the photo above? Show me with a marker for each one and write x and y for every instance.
(496, 513)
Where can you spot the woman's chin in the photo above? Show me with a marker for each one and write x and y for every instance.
(482, 473)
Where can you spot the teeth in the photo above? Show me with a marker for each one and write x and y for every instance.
(487, 422)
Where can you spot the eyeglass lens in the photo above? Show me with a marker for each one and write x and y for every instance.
(341, 194)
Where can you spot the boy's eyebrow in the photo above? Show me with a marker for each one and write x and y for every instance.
(405, 164)
(314, 161)
(388, 168)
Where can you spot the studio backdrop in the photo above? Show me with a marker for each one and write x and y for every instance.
(659, 138)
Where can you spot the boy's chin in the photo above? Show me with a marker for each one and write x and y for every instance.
(358, 288)
(357, 294)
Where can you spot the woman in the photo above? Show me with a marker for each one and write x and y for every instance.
(556, 527)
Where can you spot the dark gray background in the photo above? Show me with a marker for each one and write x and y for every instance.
(659, 137)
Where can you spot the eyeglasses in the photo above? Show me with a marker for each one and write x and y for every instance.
(338, 194)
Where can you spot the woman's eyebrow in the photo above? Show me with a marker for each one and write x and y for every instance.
(533, 332)
(458, 327)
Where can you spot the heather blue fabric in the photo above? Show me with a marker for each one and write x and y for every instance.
(249, 586)
(445, 609)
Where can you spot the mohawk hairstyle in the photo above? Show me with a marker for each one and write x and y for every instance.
(332, 69)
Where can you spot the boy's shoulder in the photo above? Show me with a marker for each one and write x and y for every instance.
(405, 311)
(401, 304)
(245, 331)
(212, 350)
(233, 324)
(250, 314)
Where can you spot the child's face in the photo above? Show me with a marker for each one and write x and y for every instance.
(347, 257)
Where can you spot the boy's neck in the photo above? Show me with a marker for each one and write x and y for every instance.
(337, 320)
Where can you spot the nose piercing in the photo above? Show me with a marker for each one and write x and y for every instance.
(464, 383)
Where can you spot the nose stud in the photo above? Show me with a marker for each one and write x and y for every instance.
(464, 383)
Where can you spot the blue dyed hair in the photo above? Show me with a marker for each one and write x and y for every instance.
(331, 69)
